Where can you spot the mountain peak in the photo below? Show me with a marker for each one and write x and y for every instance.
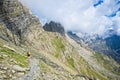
(54, 27)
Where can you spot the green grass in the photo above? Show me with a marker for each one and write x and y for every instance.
(103, 61)
(14, 14)
(40, 78)
(44, 67)
(59, 46)
(71, 62)
(85, 69)
(57, 42)
(57, 55)
(107, 62)
(20, 59)
(44, 39)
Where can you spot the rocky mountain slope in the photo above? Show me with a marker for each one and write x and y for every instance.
(53, 56)
(109, 46)
(104, 48)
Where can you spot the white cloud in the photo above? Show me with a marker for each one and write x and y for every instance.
(77, 15)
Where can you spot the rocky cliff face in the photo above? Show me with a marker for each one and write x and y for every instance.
(54, 27)
(53, 56)
(16, 18)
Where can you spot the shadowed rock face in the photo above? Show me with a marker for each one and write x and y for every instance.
(54, 27)
(16, 18)
(114, 42)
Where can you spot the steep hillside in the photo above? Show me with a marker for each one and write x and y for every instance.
(103, 53)
(15, 20)
(108, 45)
(53, 56)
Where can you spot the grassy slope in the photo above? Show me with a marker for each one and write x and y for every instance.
(58, 50)
(17, 58)
(107, 62)
(73, 59)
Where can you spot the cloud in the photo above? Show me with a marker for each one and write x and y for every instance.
(88, 16)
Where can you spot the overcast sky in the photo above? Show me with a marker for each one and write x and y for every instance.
(86, 16)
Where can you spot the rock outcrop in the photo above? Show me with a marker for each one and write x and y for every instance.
(54, 27)
(16, 18)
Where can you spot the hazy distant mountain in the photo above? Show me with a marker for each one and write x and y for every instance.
(109, 45)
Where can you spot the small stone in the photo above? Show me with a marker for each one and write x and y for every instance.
(4, 76)
(15, 62)
(13, 71)
(11, 60)
(27, 69)
(0, 77)
(10, 75)
(20, 74)
(5, 55)
(18, 68)
(2, 72)
(5, 68)
(14, 77)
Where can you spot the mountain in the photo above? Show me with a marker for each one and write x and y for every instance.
(114, 42)
(109, 46)
(16, 19)
(53, 56)
(54, 27)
